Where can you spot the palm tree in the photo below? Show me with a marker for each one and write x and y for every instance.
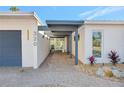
(14, 9)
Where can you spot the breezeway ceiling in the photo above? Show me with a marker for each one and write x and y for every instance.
(60, 28)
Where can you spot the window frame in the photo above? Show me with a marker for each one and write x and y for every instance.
(102, 41)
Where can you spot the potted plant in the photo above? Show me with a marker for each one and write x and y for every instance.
(114, 57)
(92, 60)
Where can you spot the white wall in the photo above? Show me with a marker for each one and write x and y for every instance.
(81, 44)
(43, 48)
(113, 39)
(23, 24)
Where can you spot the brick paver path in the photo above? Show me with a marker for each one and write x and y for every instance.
(57, 70)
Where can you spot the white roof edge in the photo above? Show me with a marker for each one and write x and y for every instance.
(15, 13)
(104, 22)
(38, 19)
(21, 14)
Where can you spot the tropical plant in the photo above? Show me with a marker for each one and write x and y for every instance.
(92, 60)
(14, 9)
(114, 57)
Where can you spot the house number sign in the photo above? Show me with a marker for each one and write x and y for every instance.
(34, 38)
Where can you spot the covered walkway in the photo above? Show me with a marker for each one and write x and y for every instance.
(58, 62)
(62, 29)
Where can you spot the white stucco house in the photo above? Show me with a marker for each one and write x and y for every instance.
(19, 44)
(23, 44)
(111, 38)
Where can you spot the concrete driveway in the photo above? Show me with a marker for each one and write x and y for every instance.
(57, 70)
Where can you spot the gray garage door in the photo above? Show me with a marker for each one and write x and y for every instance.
(10, 48)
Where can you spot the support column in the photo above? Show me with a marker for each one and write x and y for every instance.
(70, 45)
(67, 45)
(76, 47)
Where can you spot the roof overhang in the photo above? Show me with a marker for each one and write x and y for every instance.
(20, 14)
(104, 22)
(43, 28)
(64, 22)
(60, 28)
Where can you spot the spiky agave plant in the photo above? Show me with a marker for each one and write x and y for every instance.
(114, 57)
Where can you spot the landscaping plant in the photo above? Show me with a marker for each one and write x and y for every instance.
(114, 57)
(92, 60)
(14, 9)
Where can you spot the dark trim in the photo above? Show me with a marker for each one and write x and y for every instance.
(78, 37)
(79, 61)
(43, 28)
(76, 47)
(64, 22)
(57, 37)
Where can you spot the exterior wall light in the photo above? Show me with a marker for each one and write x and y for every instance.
(28, 34)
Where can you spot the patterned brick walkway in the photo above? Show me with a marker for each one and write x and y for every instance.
(57, 70)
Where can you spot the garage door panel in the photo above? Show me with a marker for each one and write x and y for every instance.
(10, 61)
(0, 52)
(10, 48)
(0, 61)
(10, 43)
(10, 52)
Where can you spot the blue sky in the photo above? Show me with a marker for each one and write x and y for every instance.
(73, 12)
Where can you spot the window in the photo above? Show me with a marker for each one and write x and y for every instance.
(97, 44)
